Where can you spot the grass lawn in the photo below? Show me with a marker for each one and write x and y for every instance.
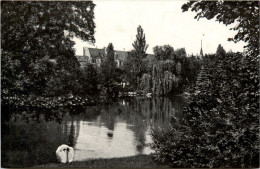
(139, 161)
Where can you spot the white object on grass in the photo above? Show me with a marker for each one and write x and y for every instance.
(65, 154)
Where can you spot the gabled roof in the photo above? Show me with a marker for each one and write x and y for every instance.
(94, 52)
(120, 55)
(82, 58)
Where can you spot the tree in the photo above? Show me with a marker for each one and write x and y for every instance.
(202, 80)
(180, 54)
(134, 63)
(37, 36)
(246, 13)
(146, 82)
(89, 80)
(220, 127)
(163, 52)
(139, 44)
(220, 51)
(222, 120)
(171, 70)
(192, 69)
(108, 72)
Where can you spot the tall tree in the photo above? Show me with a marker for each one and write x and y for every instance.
(139, 44)
(108, 72)
(134, 65)
(246, 13)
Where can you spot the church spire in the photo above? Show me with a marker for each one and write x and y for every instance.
(201, 51)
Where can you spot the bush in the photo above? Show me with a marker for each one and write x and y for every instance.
(220, 127)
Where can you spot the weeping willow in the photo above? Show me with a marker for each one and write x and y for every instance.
(157, 79)
(164, 81)
(146, 82)
(167, 82)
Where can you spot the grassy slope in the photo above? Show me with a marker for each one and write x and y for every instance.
(139, 161)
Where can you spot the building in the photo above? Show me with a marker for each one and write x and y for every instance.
(95, 56)
(120, 56)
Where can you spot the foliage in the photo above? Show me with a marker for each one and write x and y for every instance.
(11, 75)
(108, 72)
(168, 82)
(163, 82)
(89, 81)
(139, 44)
(163, 52)
(220, 51)
(245, 13)
(220, 127)
(202, 80)
(37, 50)
(134, 64)
(157, 76)
(180, 54)
(146, 82)
(192, 69)
(172, 71)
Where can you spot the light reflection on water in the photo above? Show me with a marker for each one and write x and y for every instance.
(121, 129)
(96, 141)
(105, 131)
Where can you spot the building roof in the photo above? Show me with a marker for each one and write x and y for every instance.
(120, 55)
(82, 58)
(94, 52)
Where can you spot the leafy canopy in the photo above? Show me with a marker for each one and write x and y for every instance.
(220, 51)
(36, 42)
(245, 13)
(139, 44)
(108, 72)
(134, 64)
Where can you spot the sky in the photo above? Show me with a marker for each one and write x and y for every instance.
(163, 22)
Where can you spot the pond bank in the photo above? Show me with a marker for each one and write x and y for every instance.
(139, 161)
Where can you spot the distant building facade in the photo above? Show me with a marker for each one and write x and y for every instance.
(95, 56)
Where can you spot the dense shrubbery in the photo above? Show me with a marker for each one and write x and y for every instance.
(221, 123)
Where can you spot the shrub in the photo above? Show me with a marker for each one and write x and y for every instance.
(220, 127)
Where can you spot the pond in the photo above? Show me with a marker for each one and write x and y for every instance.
(103, 131)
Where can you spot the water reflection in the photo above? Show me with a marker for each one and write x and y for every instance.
(105, 131)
